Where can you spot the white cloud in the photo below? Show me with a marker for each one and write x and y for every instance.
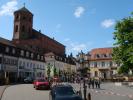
(8, 8)
(79, 11)
(78, 47)
(107, 23)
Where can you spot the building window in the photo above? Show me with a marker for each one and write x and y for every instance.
(110, 63)
(7, 49)
(98, 56)
(41, 57)
(16, 28)
(34, 66)
(105, 55)
(96, 74)
(27, 54)
(23, 64)
(30, 65)
(22, 53)
(95, 64)
(38, 57)
(103, 64)
(17, 17)
(27, 64)
(32, 55)
(13, 51)
(20, 63)
(23, 28)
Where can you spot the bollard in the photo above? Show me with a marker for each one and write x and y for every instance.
(89, 96)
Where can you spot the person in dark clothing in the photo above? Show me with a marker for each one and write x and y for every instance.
(96, 83)
(89, 83)
(92, 83)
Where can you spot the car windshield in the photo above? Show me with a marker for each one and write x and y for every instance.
(65, 91)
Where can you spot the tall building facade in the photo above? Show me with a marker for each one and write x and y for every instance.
(25, 36)
(101, 63)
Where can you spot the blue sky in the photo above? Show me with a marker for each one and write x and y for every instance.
(78, 24)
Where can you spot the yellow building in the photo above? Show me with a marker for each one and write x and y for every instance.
(101, 63)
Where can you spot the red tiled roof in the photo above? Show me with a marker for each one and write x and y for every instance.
(100, 51)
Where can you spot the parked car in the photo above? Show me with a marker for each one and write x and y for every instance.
(28, 80)
(64, 92)
(41, 84)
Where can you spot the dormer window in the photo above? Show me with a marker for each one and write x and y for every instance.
(38, 57)
(22, 53)
(27, 54)
(98, 56)
(7, 49)
(13, 51)
(105, 55)
(32, 55)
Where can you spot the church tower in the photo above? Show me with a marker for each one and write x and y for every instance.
(23, 22)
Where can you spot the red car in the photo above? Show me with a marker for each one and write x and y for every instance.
(41, 84)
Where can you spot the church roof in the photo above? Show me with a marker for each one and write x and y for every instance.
(23, 9)
(6, 42)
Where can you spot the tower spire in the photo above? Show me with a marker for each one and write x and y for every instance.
(24, 4)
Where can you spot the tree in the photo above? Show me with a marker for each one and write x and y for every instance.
(123, 52)
(55, 71)
(48, 70)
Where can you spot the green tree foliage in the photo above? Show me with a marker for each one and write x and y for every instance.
(123, 52)
(55, 71)
(48, 70)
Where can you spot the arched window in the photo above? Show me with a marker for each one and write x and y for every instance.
(16, 28)
(17, 17)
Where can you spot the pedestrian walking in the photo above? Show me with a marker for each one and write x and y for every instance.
(96, 83)
(89, 83)
(92, 83)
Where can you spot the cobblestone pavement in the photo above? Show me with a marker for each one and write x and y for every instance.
(109, 91)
